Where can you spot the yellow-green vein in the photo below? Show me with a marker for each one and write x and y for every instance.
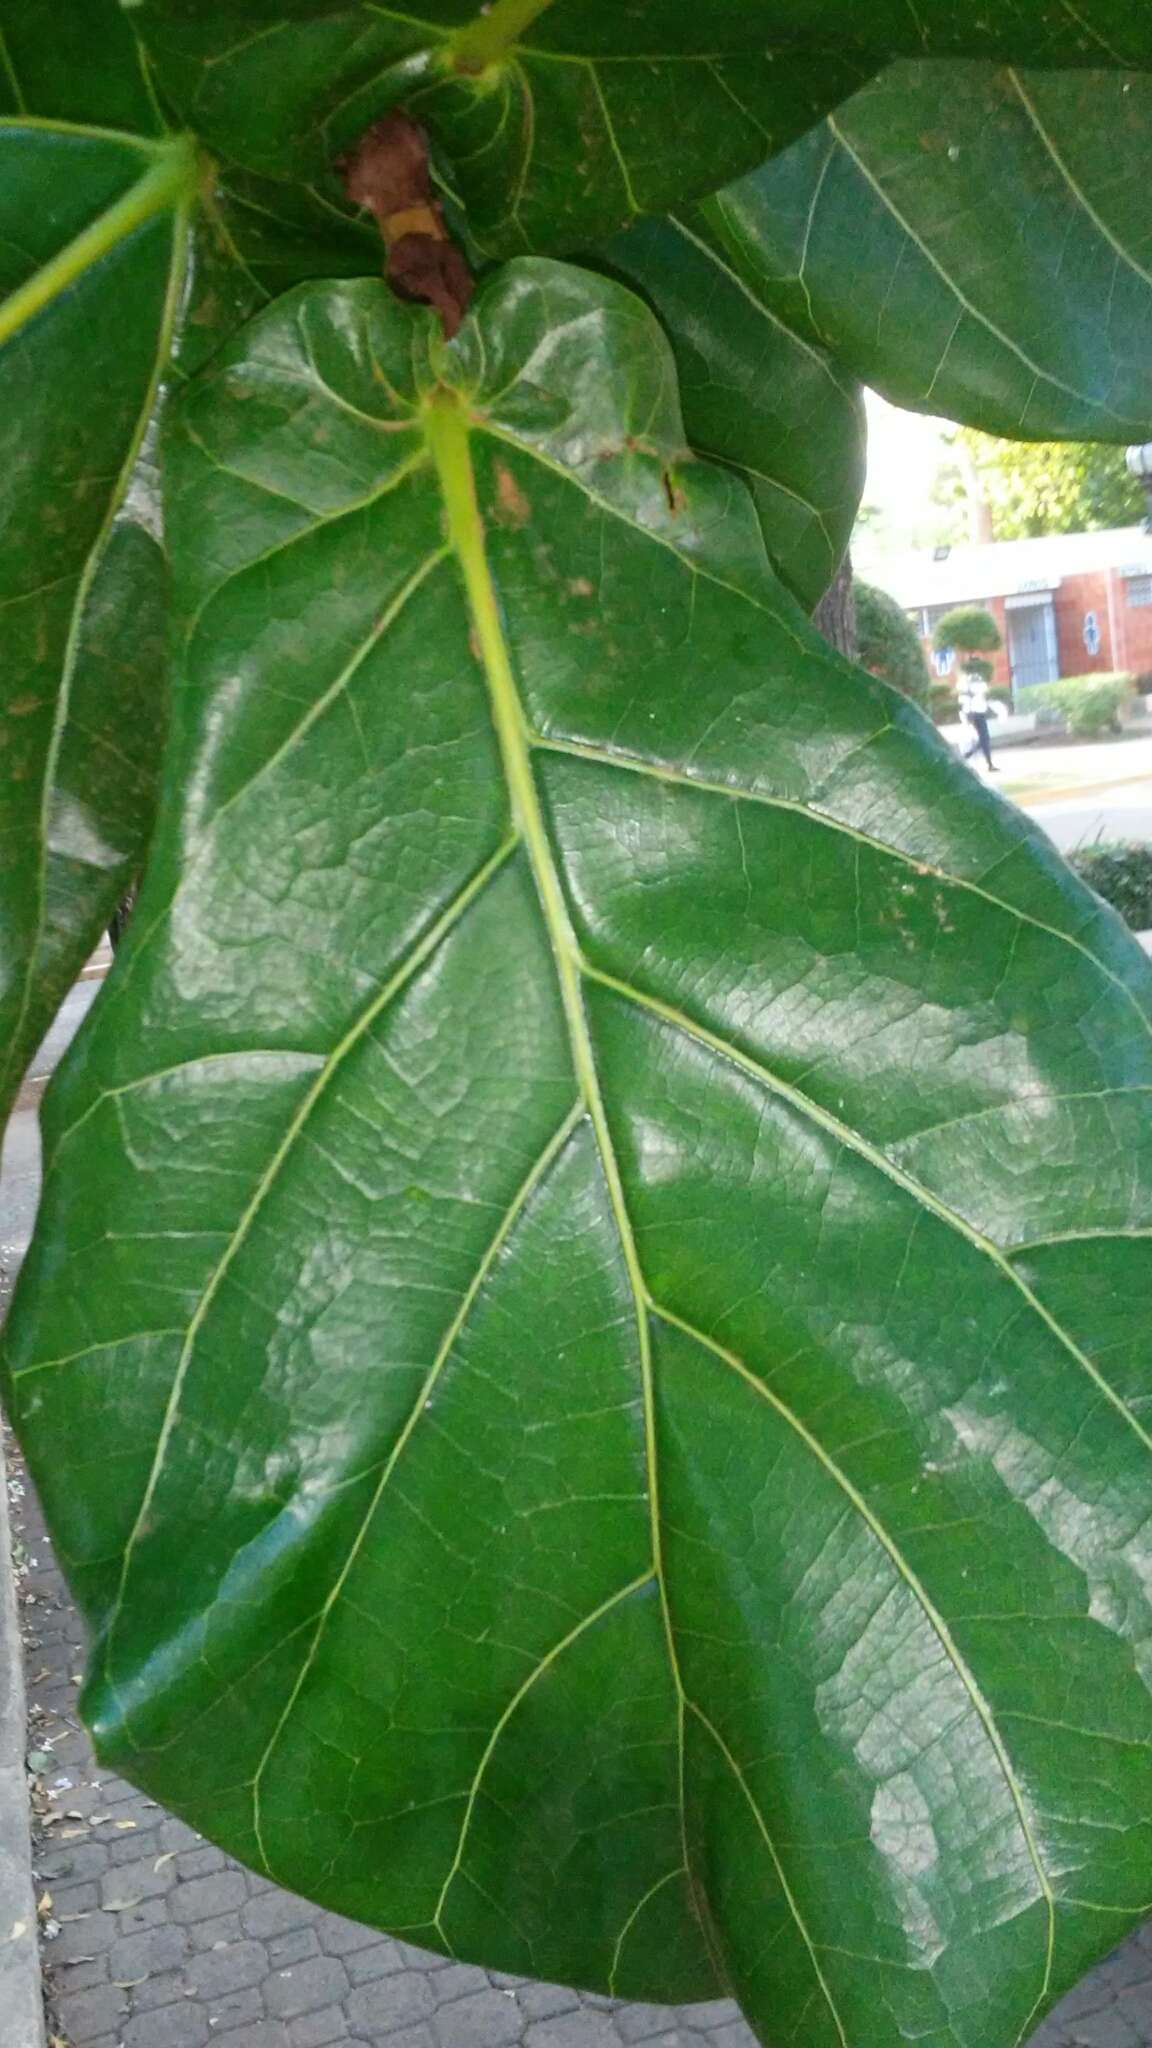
(680, 778)
(1080, 197)
(920, 1593)
(532, 1180)
(168, 185)
(173, 296)
(781, 1878)
(399, 980)
(668, 1878)
(448, 434)
(853, 1141)
(537, 1672)
(982, 319)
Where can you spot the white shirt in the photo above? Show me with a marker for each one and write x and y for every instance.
(973, 694)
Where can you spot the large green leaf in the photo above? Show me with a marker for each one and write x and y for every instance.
(93, 234)
(758, 395)
(96, 327)
(561, 119)
(75, 60)
(972, 241)
(523, 1351)
(556, 132)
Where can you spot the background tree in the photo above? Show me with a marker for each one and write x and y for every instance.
(1016, 490)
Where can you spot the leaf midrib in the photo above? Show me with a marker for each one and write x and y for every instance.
(167, 185)
(152, 194)
(448, 431)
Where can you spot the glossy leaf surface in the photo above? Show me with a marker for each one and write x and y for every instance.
(757, 395)
(575, 125)
(93, 233)
(526, 1352)
(971, 241)
(75, 60)
(560, 120)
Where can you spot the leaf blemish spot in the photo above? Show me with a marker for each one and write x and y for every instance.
(512, 507)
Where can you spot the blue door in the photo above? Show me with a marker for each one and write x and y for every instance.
(1032, 646)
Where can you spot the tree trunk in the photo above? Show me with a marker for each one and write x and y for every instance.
(835, 615)
(121, 914)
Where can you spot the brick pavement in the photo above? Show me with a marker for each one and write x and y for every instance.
(162, 1942)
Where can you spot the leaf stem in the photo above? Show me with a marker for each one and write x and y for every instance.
(169, 181)
(490, 36)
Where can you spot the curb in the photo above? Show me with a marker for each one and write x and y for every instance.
(21, 2002)
(1073, 789)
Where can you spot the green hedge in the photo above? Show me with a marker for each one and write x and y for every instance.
(1087, 704)
(1122, 875)
(889, 645)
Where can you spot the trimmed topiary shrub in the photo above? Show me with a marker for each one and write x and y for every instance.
(970, 629)
(889, 644)
(1087, 704)
(1122, 875)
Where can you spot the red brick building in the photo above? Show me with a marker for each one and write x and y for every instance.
(1072, 604)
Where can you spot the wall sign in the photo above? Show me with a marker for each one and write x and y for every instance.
(1091, 633)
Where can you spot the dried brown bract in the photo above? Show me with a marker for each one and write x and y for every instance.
(388, 172)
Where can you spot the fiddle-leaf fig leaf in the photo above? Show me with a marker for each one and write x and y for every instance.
(536, 1350)
(970, 240)
(553, 130)
(559, 120)
(758, 394)
(76, 60)
(93, 249)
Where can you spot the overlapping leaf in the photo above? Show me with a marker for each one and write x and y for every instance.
(85, 344)
(93, 235)
(972, 241)
(758, 395)
(536, 1351)
(559, 120)
(75, 60)
(550, 141)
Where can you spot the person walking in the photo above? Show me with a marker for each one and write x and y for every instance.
(976, 707)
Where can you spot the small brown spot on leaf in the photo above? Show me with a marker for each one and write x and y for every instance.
(512, 507)
(672, 491)
(580, 587)
(21, 706)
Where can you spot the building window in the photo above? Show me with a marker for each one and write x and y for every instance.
(1140, 590)
(928, 617)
